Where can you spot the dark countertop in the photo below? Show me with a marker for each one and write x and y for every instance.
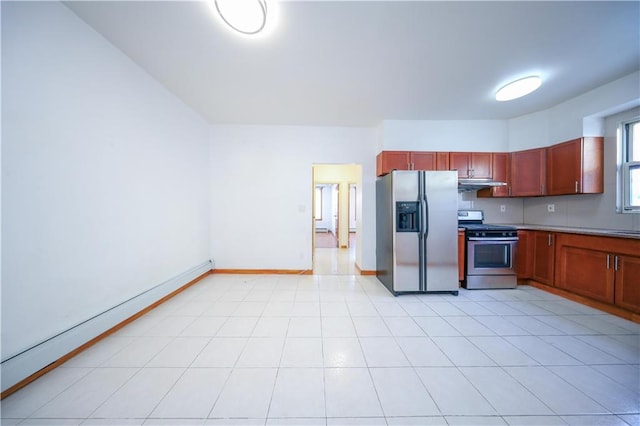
(618, 233)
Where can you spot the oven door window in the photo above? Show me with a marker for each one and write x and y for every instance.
(492, 256)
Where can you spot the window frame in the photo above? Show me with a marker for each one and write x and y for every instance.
(625, 166)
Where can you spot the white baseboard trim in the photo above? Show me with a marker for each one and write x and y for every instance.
(32, 360)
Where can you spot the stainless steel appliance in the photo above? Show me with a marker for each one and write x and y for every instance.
(416, 233)
(490, 252)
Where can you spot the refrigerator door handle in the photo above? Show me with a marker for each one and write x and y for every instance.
(424, 231)
(425, 216)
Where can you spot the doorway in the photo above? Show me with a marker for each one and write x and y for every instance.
(327, 223)
(335, 218)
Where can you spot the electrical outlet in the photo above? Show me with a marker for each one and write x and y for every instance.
(503, 208)
(551, 208)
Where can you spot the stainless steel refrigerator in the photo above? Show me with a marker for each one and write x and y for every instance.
(417, 231)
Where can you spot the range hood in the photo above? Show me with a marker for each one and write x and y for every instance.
(473, 184)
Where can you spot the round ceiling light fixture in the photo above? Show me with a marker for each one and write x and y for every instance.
(518, 88)
(247, 17)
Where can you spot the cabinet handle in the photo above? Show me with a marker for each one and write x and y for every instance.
(549, 240)
(608, 261)
(615, 263)
(576, 186)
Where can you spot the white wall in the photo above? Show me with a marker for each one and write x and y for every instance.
(444, 135)
(261, 190)
(581, 116)
(104, 177)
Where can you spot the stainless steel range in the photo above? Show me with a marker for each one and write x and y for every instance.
(490, 252)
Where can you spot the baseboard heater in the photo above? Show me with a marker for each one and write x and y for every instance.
(20, 366)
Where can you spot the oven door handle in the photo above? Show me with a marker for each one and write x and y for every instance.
(493, 239)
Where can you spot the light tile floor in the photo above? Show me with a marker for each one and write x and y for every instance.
(340, 350)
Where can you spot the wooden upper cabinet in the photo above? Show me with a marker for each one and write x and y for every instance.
(528, 172)
(423, 160)
(442, 161)
(471, 164)
(576, 167)
(460, 161)
(501, 165)
(387, 161)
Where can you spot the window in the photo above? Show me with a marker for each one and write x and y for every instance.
(318, 206)
(629, 178)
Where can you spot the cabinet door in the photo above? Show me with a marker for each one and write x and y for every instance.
(584, 271)
(524, 260)
(627, 279)
(392, 160)
(500, 162)
(460, 161)
(481, 165)
(423, 161)
(564, 168)
(576, 167)
(461, 257)
(543, 257)
(528, 173)
(442, 161)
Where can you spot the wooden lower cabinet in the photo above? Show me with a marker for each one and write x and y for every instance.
(627, 282)
(584, 271)
(524, 258)
(461, 255)
(600, 268)
(543, 256)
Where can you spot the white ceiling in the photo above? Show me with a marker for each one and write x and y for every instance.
(356, 63)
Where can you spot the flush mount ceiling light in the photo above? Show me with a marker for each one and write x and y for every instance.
(247, 17)
(517, 89)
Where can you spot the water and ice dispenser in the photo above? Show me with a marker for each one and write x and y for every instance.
(407, 216)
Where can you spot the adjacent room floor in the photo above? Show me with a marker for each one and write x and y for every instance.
(339, 349)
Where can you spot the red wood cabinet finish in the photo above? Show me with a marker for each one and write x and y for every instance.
(501, 165)
(528, 170)
(543, 256)
(524, 260)
(423, 160)
(601, 268)
(583, 271)
(627, 281)
(387, 161)
(442, 161)
(576, 167)
(471, 164)
(391, 160)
